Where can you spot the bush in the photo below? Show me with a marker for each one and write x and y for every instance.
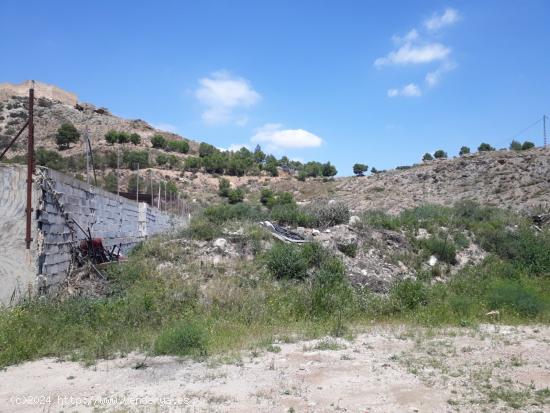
(192, 164)
(182, 339)
(527, 145)
(224, 212)
(510, 294)
(515, 145)
(161, 159)
(290, 214)
(224, 186)
(111, 137)
(158, 141)
(379, 219)
(409, 294)
(464, 150)
(359, 169)
(285, 261)
(203, 229)
(135, 139)
(331, 294)
(206, 149)
(50, 159)
(328, 170)
(485, 147)
(110, 182)
(445, 250)
(348, 249)
(427, 157)
(134, 158)
(235, 196)
(440, 154)
(266, 196)
(329, 214)
(66, 135)
(180, 146)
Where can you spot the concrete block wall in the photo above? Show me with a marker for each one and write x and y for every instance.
(117, 220)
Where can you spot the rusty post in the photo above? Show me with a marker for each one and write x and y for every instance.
(30, 167)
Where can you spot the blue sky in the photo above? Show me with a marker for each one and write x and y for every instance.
(346, 81)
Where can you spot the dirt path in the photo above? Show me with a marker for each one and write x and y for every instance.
(386, 369)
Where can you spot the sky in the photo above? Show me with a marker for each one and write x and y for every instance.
(373, 82)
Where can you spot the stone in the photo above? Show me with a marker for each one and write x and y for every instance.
(422, 233)
(353, 220)
(220, 244)
(432, 261)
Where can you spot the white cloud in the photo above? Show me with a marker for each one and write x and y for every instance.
(222, 93)
(276, 137)
(236, 146)
(166, 127)
(411, 36)
(413, 54)
(438, 21)
(410, 90)
(433, 78)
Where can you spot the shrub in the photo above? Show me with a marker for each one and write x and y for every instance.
(192, 164)
(314, 254)
(427, 157)
(203, 229)
(66, 134)
(224, 186)
(514, 296)
(290, 214)
(134, 158)
(464, 150)
(206, 149)
(328, 170)
(123, 137)
(379, 219)
(527, 145)
(485, 147)
(409, 294)
(445, 250)
(515, 145)
(349, 249)
(235, 196)
(135, 139)
(111, 137)
(224, 212)
(359, 169)
(110, 182)
(161, 159)
(182, 339)
(331, 294)
(50, 159)
(158, 141)
(266, 196)
(285, 261)
(328, 215)
(180, 146)
(440, 154)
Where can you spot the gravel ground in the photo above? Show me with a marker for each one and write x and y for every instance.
(382, 369)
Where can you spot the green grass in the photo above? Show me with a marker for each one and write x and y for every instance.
(290, 291)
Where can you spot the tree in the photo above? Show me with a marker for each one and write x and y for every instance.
(134, 158)
(427, 157)
(224, 186)
(110, 182)
(162, 159)
(359, 169)
(66, 134)
(205, 149)
(180, 146)
(192, 164)
(464, 150)
(515, 145)
(485, 147)
(111, 137)
(235, 196)
(440, 154)
(271, 166)
(158, 141)
(135, 139)
(328, 170)
(259, 155)
(527, 145)
(373, 170)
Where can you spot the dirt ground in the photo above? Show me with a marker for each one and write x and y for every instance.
(383, 369)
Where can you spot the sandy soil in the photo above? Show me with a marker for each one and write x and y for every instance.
(385, 369)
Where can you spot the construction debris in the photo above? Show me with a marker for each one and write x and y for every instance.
(282, 233)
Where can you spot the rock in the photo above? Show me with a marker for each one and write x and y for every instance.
(220, 244)
(315, 232)
(432, 261)
(327, 231)
(353, 220)
(422, 234)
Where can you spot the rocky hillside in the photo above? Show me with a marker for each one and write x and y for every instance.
(519, 180)
(50, 113)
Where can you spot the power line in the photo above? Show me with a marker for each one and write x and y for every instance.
(528, 127)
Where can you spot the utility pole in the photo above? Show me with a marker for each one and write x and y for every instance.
(87, 151)
(117, 175)
(30, 167)
(137, 184)
(544, 130)
(158, 206)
